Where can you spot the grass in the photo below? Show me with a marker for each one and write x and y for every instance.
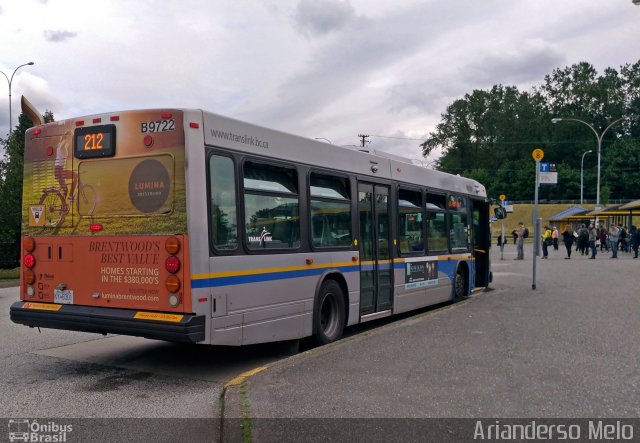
(9, 277)
(10, 274)
(246, 413)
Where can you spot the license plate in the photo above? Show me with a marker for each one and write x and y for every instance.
(63, 297)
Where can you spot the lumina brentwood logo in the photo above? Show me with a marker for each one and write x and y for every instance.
(248, 140)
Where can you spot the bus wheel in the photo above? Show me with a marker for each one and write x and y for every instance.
(329, 315)
(460, 284)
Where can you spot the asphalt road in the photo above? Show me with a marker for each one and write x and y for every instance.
(568, 349)
(69, 375)
(571, 348)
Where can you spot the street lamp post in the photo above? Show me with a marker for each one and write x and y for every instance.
(582, 175)
(599, 137)
(10, 80)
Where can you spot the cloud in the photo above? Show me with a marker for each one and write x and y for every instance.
(320, 17)
(526, 62)
(59, 36)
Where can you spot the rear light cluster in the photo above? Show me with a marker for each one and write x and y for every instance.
(113, 118)
(29, 261)
(172, 265)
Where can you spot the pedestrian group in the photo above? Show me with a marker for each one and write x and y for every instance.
(585, 238)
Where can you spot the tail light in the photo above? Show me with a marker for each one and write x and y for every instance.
(172, 245)
(29, 277)
(172, 264)
(29, 261)
(29, 244)
(172, 283)
(174, 300)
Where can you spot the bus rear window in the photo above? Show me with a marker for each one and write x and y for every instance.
(126, 186)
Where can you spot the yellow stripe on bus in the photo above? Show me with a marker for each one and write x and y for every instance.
(158, 316)
(42, 306)
(317, 266)
(270, 270)
(373, 262)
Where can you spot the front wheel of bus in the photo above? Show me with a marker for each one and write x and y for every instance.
(329, 314)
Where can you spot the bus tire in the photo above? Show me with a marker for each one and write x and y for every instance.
(460, 283)
(329, 313)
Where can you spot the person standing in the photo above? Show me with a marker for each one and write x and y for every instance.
(581, 242)
(623, 241)
(603, 239)
(546, 242)
(593, 234)
(520, 233)
(555, 236)
(614, 236)
(635, 240)
(568, 239)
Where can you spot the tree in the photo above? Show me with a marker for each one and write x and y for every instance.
(11, 174)
(490, 134)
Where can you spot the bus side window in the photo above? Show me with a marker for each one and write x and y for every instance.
(458, 223)
(437, 238)
(410, 223)
(330, 211)
(271, 202)
(223, 216)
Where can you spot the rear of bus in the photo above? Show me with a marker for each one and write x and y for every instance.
(104, 228)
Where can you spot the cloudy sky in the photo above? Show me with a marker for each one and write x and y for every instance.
(317, 68)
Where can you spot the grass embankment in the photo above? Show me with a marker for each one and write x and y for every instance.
(524, 213)
(9, 277)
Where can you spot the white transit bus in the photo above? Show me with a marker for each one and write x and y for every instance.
(188, 226)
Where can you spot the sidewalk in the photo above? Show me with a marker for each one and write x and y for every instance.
(568, 349)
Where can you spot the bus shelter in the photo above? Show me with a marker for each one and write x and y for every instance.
(621, 215)
(570, 216)
(633, 209)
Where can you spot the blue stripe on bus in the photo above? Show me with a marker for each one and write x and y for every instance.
(258, 278)
(446, 266)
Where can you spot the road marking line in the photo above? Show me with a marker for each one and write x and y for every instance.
(242, 377)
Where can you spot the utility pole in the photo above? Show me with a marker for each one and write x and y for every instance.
(364, 138)
(538, 154)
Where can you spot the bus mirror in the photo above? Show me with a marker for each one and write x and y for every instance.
(500, 213)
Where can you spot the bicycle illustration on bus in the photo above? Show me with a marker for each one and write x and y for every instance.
(58, 200)
(57, 207)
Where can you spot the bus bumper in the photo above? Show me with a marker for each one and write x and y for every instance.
(187, 328)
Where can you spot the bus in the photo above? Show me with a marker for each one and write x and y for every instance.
(187, 226)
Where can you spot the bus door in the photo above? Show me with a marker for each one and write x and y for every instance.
(376, 264)
(481, 242)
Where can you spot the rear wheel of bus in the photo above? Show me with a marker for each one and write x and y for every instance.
(460, 283)
(329, 313)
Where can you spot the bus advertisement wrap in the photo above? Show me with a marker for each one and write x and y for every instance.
(141, 175)
(125, 272)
